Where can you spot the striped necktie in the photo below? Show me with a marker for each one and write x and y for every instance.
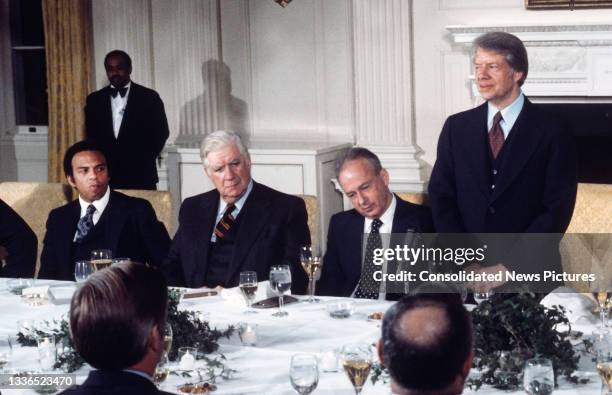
(226, 222)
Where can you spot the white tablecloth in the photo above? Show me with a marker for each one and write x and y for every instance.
(263, 369)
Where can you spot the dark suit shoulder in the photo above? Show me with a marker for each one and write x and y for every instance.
(273, 194)
(128, 201)
(344, 216)
(420, 215)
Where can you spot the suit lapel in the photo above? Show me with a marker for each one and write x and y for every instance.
(473, 147)
(204, 221)
(522, 142)
(354, 245)
(115, 216)
(129, 108)
(71, 221)
(107, 111)
(253, 217)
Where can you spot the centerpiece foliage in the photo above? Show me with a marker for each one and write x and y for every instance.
(188, 331)
(508, 330)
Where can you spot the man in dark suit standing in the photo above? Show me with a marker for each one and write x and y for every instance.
(99, 219)
(129, 122)
(376, 211)
(241, 225)
(505, 166)
(117, 321)
(18, 245)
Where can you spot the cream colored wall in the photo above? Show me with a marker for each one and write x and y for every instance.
(441, 68)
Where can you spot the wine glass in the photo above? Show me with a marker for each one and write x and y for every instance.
(602, 346)
(101, 259)
(357, 362)
(167, 339)
(161, 371)
(248, 288)
(539, 377)
(46, 353)
(304, 373)
(602, 295)
(311, 263)
(480, 297)
(82, 270)
(280, 282)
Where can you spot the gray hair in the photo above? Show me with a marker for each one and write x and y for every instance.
(215, 140)
(358, 153)
(508, 45)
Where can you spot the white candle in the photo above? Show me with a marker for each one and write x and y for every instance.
(329, 362)
(187, 362)
(249, 336)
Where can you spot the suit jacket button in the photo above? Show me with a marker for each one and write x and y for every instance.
(492, 210)
(493, 186)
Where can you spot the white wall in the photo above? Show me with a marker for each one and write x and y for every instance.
(441, 68)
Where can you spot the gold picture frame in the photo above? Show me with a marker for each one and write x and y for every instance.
(566, 4)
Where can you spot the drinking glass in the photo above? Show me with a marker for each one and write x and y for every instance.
(539, 377)
(6, 354)
(602, 346)
(248, 288)
(602, 292)
(167, 339)
(480, 297)
(82, 270)
(46, 353)
(280, 282)
(187, 358)
(101, 259)
(311, 263)
(161, 371)
(121, 260)
(304, 373)
(357, 362)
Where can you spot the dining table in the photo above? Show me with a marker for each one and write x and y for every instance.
(262, 366)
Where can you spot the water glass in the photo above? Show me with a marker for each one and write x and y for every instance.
(6, 354)
(280, 282)
(187, 357)
(248, 287)
(304, 373)
(82, 270)
(538, 376)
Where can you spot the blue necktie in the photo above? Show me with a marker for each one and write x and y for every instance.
(85, 224)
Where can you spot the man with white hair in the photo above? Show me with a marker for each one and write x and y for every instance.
(241, 225)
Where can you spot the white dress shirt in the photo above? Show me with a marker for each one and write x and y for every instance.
(118, 104)
(99, 204)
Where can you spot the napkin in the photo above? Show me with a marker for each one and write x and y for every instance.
(578, 307)
(234, 295)
(37, 290)
(61, 295)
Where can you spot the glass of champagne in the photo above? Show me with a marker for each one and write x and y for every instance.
(311, 262)
(280, 282)
(161, 371)
(602, 346)
(304, 373)
(248, 288)
(101, 259)
(539, 377)
(82, 270)
(167, 339)
(357, 362)
(603, 297)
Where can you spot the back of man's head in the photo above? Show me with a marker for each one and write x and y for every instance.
(427, 343)
(113, 314)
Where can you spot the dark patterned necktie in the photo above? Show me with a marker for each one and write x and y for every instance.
(368, 288)
(85, 223)
(225, 223)
(496, 135)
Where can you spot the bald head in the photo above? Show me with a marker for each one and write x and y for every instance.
(426, 343)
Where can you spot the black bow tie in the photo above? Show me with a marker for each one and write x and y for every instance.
(121, 91)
